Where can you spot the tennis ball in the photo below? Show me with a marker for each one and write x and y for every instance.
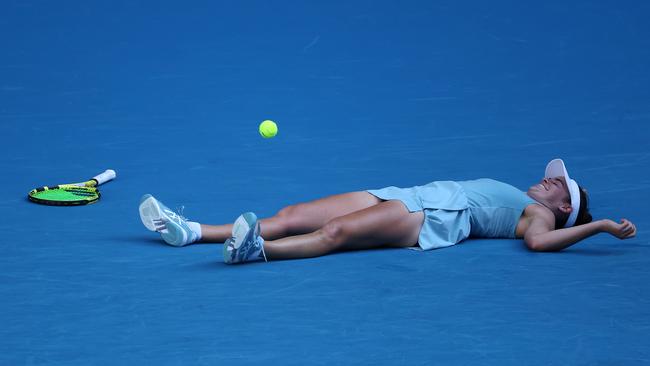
(268, 129)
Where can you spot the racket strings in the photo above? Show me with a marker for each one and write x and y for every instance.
(63, 194)
(83, 192)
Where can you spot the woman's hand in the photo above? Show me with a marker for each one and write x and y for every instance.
(624, 230)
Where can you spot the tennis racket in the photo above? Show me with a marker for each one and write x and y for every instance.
(71, 194)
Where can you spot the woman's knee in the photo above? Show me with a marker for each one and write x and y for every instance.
(289, 218)
(334, 234)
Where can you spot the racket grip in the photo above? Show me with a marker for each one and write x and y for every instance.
(105, 176)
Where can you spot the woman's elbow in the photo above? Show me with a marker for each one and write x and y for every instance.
(536, 245)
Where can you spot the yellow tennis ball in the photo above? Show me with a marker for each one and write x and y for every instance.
(268, 129)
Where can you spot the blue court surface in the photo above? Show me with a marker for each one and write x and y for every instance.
(367, 94)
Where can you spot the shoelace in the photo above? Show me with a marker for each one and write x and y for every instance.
(177, 216)
(259, 239)
(181, 210)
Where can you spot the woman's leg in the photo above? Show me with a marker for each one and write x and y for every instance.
(387, 224)
(299, 219)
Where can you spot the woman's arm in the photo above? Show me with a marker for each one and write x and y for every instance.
(540, 235)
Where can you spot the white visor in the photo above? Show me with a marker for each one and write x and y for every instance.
(556, 168)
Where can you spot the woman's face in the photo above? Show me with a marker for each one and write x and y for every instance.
(551, 192)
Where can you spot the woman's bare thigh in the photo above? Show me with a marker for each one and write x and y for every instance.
(388, 224)
(311, 216)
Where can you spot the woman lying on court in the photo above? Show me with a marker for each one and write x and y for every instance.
(550, 216)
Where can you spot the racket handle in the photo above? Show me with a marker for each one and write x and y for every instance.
(105, 176)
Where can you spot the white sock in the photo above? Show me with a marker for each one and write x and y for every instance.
(196, 229)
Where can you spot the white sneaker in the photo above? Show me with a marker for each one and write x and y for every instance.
(172, 227)
(246, 244)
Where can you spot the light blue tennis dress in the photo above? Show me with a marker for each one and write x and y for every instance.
(454, 211)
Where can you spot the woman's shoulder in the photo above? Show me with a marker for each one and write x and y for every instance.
(531, 212)
(538, 210)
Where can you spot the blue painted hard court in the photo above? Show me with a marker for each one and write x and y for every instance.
(366, 94)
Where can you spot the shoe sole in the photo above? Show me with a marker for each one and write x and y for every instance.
(149, 211)
(175, 235)
(243, 225)
(246, 225)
